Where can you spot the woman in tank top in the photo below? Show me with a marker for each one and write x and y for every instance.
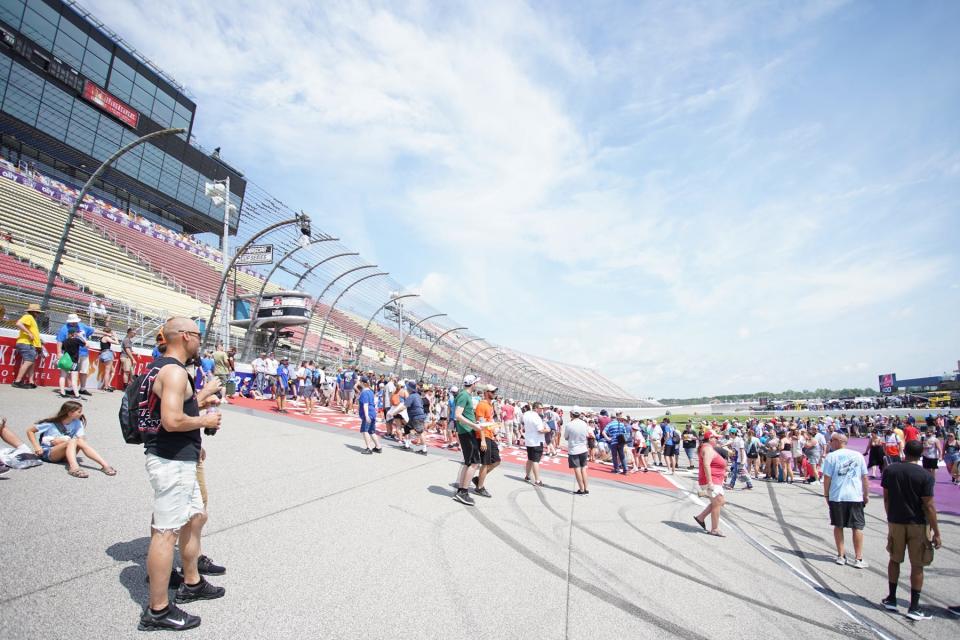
(711, 473)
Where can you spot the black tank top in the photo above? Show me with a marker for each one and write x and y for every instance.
(179, 445)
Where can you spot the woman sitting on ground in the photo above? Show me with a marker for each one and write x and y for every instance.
(62, 437)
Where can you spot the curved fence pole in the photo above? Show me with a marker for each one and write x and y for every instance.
(316, 303)
(396, 364)
(244, 353)
(71, 216)
(453, 355)
(301, 218)
(323, 329)
(374, 315)
(466, 369)
(430, 352)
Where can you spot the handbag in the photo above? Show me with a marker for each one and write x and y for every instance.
(65, 363)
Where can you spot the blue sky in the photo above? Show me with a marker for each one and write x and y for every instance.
(692, 198)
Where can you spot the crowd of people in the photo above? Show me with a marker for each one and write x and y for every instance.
(182, 387)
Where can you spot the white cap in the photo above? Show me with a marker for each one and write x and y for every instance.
(469, 380)
(576, 411)
(73, 318)
(454, 389)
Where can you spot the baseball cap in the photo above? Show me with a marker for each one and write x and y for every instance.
(489, 387)
(469, 380)
(709, 434)
(576, 411)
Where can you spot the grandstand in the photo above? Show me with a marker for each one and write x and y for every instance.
(134, 244)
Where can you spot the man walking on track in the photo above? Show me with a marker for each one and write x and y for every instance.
(469, 443)
(845, 487)
(489, 451)
(368, 419)
(912, 526)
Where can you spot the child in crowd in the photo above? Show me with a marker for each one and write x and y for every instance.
(62, 437)
(71, 346)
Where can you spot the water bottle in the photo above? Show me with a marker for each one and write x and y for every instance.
(207, 431)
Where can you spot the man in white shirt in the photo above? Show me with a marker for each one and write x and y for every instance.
(270, 372)
(576, 436)
(534, 428)
(656, 443)
(259, 367)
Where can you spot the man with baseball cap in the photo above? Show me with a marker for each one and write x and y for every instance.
(466, 419)
(28, 346)
(368, 419)
(489, 451)
(576, 436)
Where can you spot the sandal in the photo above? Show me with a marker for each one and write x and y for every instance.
(702, 523)
(108, 470)
(716, 533)
(78, 473)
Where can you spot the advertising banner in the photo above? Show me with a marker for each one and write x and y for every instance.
(47, 373)
(111, 104)
(888, 381)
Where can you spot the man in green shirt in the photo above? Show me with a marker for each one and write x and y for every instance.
(467, 429)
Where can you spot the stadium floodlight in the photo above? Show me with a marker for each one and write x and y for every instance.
(219, 193)
(71, 216)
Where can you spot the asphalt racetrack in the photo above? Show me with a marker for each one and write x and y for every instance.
(322, 542)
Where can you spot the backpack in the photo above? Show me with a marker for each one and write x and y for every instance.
(136, 413)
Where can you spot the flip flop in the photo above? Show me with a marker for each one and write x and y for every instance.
(703, 524)
(110, 471)
(716, 533)
(79, 473)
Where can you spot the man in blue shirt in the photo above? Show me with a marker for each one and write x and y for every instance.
(416, 418)
(368, 418)
(616, 434)
(671, 447)
(84, 330)
(846, 489)
(282, 384)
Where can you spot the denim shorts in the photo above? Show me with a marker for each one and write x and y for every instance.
(176, 492)
(106, 356)
(368, 427)
(27, 352)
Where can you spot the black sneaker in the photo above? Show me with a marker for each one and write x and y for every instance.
(203, 590)
(918, 614)
(3, 468)
(954, 610)
(422, 452)
(463, 497)
(173, 619)
(378, 450)
(476, 481)
(84, 392)
(367, 452)
(207, 567)
(176, 579)
(578, 492)
(889, 604)
(18, 385)
(482, 492)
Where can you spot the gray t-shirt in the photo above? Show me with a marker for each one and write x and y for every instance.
(126, 346)
(576, 436)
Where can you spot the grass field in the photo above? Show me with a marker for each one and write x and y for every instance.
(681, 420)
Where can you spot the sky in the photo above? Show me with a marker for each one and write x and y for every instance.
(691, 198)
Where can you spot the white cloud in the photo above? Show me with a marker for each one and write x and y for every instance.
(634, 184)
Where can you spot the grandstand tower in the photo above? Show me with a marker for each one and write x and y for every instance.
(73, 92)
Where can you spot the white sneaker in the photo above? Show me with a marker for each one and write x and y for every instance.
(859, 563)
(841, 560)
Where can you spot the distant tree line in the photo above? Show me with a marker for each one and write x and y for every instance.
(789, 394)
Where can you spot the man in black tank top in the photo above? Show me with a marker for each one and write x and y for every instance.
(170, 423)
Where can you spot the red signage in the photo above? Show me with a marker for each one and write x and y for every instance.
(112, 105)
